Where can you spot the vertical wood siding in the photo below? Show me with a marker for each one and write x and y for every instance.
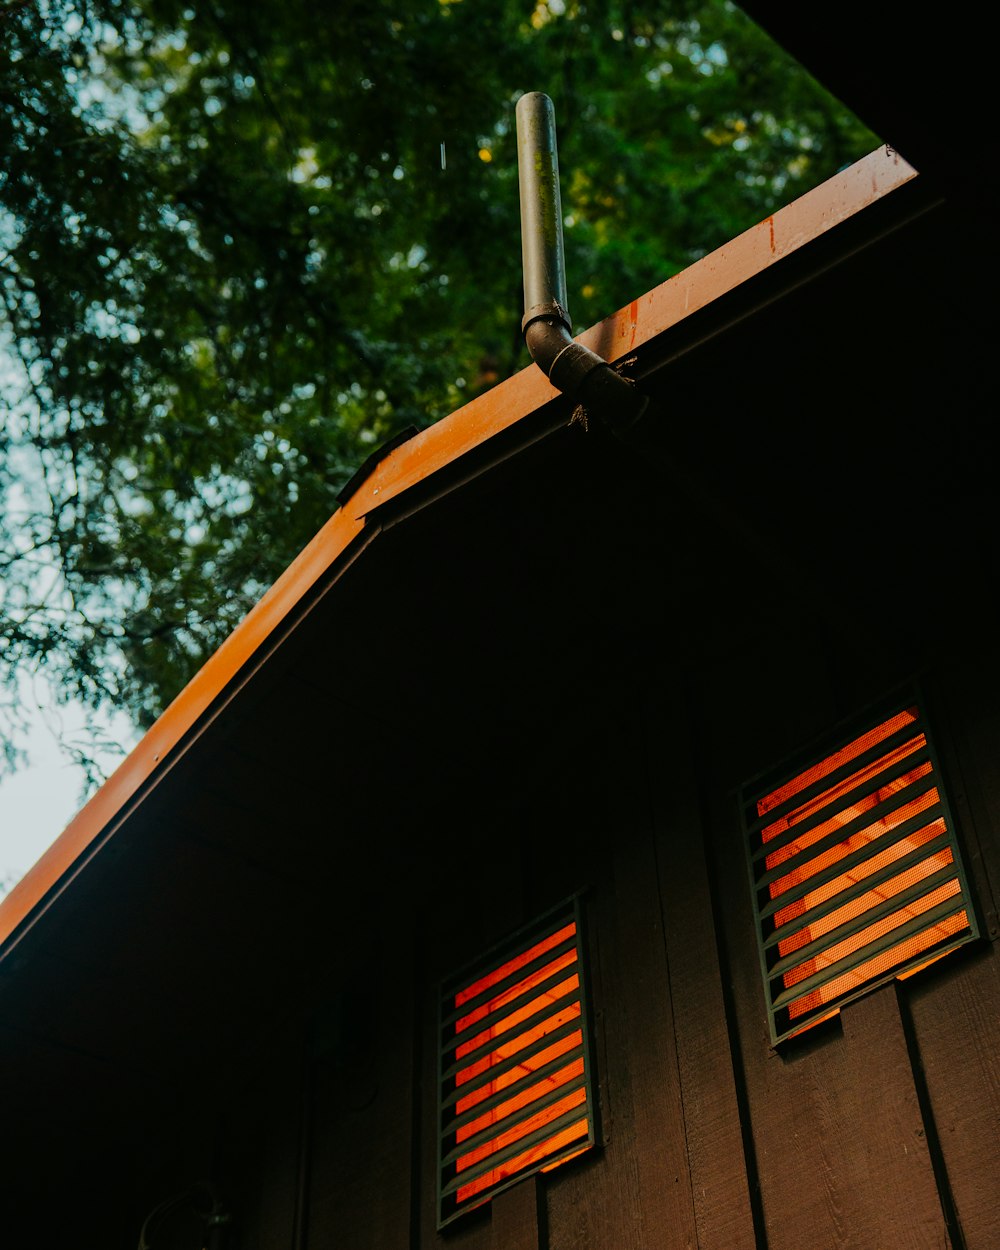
(877, 1130)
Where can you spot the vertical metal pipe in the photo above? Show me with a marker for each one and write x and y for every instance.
(574, 369)
(542, 255)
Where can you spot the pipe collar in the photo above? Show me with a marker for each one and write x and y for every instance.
(581, 374)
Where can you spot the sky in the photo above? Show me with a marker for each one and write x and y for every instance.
(43, 795)
(39, 800)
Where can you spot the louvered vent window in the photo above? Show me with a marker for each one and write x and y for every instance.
(515, 1082)
(855, 871)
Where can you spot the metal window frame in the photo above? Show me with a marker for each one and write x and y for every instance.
(448, 1207)
(782, 1028)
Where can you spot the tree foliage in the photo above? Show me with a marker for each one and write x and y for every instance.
(241, 245)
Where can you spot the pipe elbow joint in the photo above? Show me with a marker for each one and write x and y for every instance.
(581, 374)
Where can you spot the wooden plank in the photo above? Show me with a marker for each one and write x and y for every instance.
(965, 715)
(599, 1200)
(636, 1192)
(360, 1149)
(954, 1006)
(955, 1013)
(891, 1160)
(258, 1172)
(514, 1223)
(720, 1184)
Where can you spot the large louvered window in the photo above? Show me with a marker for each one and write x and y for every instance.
(855, 870)
(514, 1074)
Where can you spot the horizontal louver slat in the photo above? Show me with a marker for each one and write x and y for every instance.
(864, 921)
(822, 814)
(862, 886)
(843, 827)
(894, 937)
(537, 1047)
(569, 1119)
(805, 795)
(867, 851)
(510, 1121)
(514, 978)
(539, 1019)
(510, 1007)
(526, 1080)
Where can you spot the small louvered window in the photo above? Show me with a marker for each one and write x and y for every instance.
(855, 870)
(514, 1074)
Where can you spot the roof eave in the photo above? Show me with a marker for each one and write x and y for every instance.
(433, 461)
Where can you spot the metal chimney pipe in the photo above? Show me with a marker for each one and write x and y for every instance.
(546, 326)
(542, 255)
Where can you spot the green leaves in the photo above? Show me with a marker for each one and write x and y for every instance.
(244, 245)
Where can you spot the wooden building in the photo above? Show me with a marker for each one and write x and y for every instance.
(592, 841)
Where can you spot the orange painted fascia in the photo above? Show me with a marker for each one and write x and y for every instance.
(429, 451)
(722, 271)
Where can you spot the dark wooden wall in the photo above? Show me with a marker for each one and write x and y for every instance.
(569, 690)
(879, 1130)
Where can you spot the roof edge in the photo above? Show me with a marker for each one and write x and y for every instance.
(412, 463)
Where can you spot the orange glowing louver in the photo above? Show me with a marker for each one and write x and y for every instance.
(856, 872)
(514, 1071)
